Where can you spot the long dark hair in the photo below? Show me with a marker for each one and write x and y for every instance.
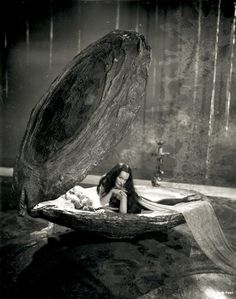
(109, 179)
(108, 182)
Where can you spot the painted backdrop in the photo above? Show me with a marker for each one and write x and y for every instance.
(190, 102)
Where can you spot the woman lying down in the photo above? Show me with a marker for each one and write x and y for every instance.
(116, 193)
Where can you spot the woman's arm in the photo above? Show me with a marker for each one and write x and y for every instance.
(121, 195)
(104, 198)
(123, 204)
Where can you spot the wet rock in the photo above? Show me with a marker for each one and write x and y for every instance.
(89, 266)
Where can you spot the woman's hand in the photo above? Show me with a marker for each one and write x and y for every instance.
(103, 211)
(120, 193)
(122, 197)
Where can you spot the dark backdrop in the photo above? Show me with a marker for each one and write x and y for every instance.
(191, 94)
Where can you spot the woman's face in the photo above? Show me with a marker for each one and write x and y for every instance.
(121, 179)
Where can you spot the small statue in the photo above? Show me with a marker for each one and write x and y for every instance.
(159, 171)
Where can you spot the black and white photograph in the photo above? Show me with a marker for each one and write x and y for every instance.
(118, 149)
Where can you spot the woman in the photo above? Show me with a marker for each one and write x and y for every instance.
(116, 190)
